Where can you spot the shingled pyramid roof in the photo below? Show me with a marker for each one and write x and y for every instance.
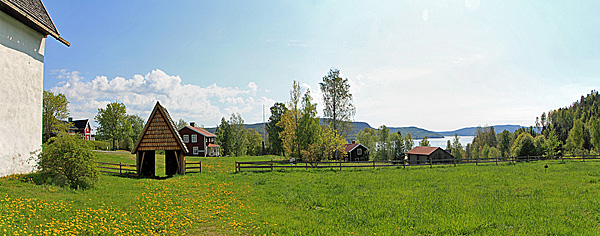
(160, 133)
(33, 14)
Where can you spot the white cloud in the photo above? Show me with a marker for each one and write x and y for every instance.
(203, 105)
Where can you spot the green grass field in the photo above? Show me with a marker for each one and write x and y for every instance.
(508, 199)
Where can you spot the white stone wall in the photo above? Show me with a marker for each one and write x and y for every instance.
(21, 90)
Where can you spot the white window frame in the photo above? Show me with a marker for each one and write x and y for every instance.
(359, 151)
(194, 138)
(186, 138)
(195, 150)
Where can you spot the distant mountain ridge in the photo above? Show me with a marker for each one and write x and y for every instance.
(470, 131)
(415, 132)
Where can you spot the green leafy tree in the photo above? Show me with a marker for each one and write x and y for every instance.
(54, 111)
(383, 143)
(368, 138)
(457, 149)
(397, 142)
(523, 146)
(238, 131)
(68, 161)
(275, 141)
(595, 134)
(424, 142)
(308, 125)
(552, 143)
(137, 126)
(326, 145)
(180, 124)
(112, 121)
(409, 143)
(504, 144)
(339, 110)
(290, 123)
(254, 141)
(225, 137)
(575, 141)
(540, 144)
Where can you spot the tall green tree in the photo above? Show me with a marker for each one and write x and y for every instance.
(424, 142)
(397, 142)
(338, 109)
(254, 142)
(504, 144)
(595, 134)
(308, 125)
(273, 130)
(225, 137)
(54, 112)
(523, 146)
(368, 138)
(137, 126)
(575, 141)
(457, 149)
(180, 124)
(238, 131)
(112, 121)
(383, 143)
(409, 143)
(290, 122)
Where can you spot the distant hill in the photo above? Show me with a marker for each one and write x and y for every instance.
(470, 131)
(415, 132)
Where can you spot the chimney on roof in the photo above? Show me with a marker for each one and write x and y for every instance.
(353, 141)
(70, 119)
(193, 124)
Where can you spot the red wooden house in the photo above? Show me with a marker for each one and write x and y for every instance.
(199, 142)
(82, 127)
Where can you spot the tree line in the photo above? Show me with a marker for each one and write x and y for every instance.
(573, 130)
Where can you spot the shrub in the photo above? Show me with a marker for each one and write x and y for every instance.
(67, 160)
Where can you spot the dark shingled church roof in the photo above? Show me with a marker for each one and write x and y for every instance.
(33, 14)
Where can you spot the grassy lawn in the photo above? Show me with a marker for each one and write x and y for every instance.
(509, 199)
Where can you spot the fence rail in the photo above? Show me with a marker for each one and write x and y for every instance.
(272, 165)
(192, 166)
(117, 168)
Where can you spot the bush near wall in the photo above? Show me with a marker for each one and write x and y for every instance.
(67, 160)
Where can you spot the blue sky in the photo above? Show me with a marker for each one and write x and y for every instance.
(439, 65)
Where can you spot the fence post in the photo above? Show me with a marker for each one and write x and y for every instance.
(477, 161)
(306, 165)
(271, 164)
(497, 160)
(430, 162)
(583, 158)
(340, 165)
(200, 164)
(527, 158)
(404, 162)
(373, 163)
(236, 166)
(454, 160)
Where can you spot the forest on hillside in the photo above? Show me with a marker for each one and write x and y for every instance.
(572, 130)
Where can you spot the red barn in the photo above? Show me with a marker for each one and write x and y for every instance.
(199, 142)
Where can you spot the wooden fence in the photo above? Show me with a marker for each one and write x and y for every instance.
(192, 166)
(117, 168)
(272, 165)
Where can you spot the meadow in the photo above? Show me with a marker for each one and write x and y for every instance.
(505, 199)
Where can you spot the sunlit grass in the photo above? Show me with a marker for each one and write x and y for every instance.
(513, 199)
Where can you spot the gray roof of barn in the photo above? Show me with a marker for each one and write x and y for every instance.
(33, 14)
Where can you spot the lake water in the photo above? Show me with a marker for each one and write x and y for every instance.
(442, 142)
